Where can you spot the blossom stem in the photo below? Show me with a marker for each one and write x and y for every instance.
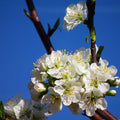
(39, 27)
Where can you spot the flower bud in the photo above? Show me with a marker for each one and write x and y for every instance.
(82, 90)
(111, 93)
(40, 87)
(117, 82)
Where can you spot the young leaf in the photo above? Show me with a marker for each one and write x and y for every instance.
(51, 31)
(2, 113)
(86, 39)
(99, 52)
(57, 24)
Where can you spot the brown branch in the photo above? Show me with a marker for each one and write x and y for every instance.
(93, 51)
(90, 23)
(105, 114)
(37, 23)
(96, 117)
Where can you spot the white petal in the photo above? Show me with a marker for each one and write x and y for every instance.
(55, 73)
(59, 82)
(90, 111)
(93, 67)
(113, 70)
(33, 80)
(55, 107)
(52, 91)
(75, 108)
(104, 87)
(81, 5)
(43, 76)
(66, 99)
(101, 104)
(47, 99)
(39, 87)
(76, 98)
(70, 8)
(59, 89)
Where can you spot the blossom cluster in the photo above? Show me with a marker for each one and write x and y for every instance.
(22, 109)
(65, 78)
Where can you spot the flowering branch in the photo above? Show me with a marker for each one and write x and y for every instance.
(37, 23)
(90, 23)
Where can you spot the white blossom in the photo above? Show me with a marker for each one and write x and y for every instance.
(91, 100)
(40, 87)
(9, 105)
(69, 92)
(75, 108)
(35, 95)
(75, 14)
(54, 100)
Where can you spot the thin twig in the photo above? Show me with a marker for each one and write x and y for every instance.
(37, 23)
(90, 24)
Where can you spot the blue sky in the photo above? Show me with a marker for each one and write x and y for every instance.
(20, 44)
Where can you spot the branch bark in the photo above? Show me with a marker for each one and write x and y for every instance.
(105, 114)
(90, 23)
(37, 23)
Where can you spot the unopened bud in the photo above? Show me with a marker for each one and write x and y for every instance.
(40, 87)
(111, 93)
(117, 82)
(82, 90)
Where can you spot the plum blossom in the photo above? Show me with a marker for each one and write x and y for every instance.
(75, 14)
(54, 101)
(91, 100)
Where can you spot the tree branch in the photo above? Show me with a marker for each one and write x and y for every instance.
(37, 23)
(105, 114)
(96, 117)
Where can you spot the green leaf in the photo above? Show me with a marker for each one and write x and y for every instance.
(55, 27)
(57, 24)
(112, 83)
(86, 39)
(93, 34)
(25, 11)
(2, 113)
(99, 52)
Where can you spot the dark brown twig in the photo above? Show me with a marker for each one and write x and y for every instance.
(105, 114)
(96, 117)
(37, 23)
(90, 24)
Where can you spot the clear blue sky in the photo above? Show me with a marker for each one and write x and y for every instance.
(20, 44)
